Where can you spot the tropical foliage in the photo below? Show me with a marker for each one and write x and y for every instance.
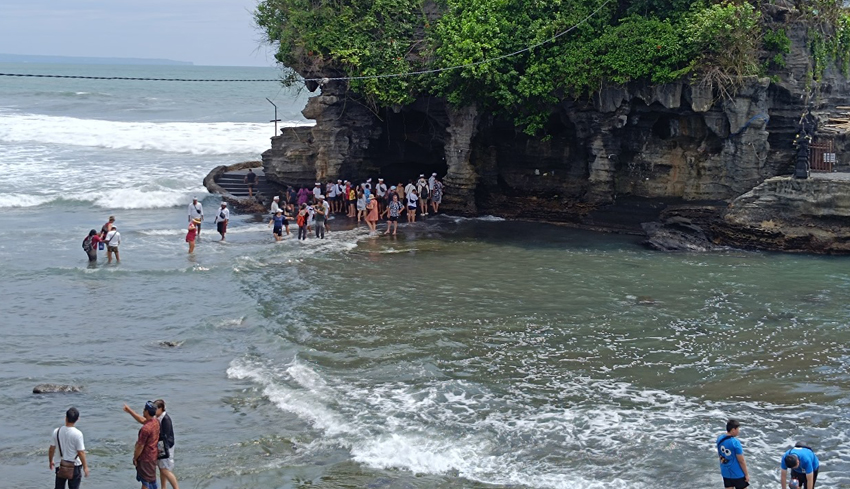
(477, 51)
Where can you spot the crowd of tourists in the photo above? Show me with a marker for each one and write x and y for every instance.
(311, 209)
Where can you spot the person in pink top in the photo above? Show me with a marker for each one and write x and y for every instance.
(192, 234)
(372, 213)
(304, 195)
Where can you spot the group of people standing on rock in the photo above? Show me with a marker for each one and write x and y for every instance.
(800, 460)
(311, 209)
(108, 238)
(154, 449)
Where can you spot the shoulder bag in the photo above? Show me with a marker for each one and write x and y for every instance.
(66, 468)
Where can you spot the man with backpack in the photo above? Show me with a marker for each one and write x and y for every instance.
(804, 466)
(90, 244)
(733, 467)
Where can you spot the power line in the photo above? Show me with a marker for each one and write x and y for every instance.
(339, 78)
(138, 78)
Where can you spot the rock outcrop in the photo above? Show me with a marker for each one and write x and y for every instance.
(787, 214)
(55, 389)
(680, 142)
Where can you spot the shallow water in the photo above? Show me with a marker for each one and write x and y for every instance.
(464, 353)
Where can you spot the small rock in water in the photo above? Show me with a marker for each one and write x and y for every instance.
(55, 388)
(645, 300)
(170, 344)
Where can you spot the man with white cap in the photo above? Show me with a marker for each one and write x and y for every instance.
(317, 191)
(275, 205)
(221, 219)
(381, 193)
(196, 211)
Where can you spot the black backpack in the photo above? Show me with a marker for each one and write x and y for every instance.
(87, 246)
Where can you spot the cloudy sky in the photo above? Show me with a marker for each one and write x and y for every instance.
(205, 32)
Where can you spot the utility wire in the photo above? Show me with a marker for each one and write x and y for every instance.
(339, 78)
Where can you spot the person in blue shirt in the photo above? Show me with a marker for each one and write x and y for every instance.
(733, 467)
(804, 466)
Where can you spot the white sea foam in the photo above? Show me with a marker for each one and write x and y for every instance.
(212, 138)
(456, 427)
(479, 218)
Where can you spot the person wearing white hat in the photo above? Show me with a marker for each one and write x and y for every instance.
(381, 192)
(221, 219)
(275, 205)
(196, 211)
(317, 191)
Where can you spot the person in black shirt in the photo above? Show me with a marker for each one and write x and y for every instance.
(251, 181)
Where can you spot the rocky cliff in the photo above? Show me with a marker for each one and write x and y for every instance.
(679, 142)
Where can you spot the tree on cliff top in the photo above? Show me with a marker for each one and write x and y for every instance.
(612, 42)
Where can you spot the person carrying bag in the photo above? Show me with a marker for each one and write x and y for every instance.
(66, 468)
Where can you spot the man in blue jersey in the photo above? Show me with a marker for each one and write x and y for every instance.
(804, 466)
(733, 468)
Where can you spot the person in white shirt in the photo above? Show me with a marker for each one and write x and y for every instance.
(196, 211)
(431, 181)
(72, 449)
(275, 205)
(317, 191)
(381, 191)
(221, 219)
(113, 240)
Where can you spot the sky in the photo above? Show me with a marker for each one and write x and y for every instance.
(205, 32)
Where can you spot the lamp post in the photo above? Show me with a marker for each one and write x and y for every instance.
(275, 120)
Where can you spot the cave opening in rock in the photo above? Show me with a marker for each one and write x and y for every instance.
(411, 144)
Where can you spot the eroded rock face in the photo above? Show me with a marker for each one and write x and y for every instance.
(679, 141)
(786, 214)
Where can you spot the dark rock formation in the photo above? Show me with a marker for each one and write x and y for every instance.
(55, 388)
(788, 214)
(680, 142)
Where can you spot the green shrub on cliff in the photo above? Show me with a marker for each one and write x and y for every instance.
(614, 42)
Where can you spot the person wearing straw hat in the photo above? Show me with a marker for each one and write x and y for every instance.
(194, 225)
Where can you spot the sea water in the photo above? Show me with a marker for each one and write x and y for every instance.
(463, 353)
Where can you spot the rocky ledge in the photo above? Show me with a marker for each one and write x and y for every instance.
(787, 214)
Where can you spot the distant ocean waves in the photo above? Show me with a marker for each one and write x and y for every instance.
(212, 138)
(55, 160)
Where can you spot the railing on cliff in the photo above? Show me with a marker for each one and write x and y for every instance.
(822, 156)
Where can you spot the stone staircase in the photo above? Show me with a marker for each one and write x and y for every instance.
(233, 182)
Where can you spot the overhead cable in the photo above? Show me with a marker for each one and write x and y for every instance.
(338, 78)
